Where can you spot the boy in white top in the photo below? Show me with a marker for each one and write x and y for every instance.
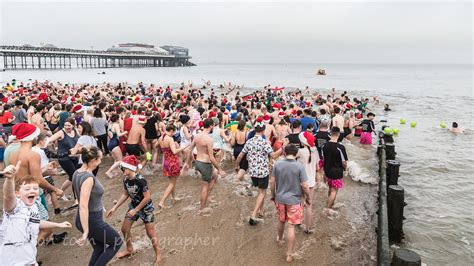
(21, 221)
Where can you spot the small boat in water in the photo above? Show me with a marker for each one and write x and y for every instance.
(321, 72)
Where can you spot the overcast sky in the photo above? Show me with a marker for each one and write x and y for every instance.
(268, 32)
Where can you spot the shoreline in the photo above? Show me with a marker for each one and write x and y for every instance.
(222, 236)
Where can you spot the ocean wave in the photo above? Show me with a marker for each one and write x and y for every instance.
(357, 174)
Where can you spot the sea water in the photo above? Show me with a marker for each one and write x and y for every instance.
(436, 166)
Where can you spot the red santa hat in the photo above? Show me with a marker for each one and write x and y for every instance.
(259, 124)
(281, 114)
(276, 106)
(212, 114)
(266, 118)
(307, 139)
(78, 108)
(131, 162)
(141, 119)
(25, 132)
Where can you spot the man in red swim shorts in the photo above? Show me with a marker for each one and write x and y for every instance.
(335, 162)
(288, 183)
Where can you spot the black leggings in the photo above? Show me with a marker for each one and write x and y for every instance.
(69, 165)
(105, 241)
(102, 143)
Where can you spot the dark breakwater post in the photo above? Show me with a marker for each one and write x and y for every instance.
(405, 257)
(393, 172)
(383, 248)
(391, 206)
(396, 204)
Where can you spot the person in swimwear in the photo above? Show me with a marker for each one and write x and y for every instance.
(205, 161)
(282, 130)
(238, 141)
(136, 137)
(456, 129)
(171, 163)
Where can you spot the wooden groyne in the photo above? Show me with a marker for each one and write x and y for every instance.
(391, 206)
(19, 57)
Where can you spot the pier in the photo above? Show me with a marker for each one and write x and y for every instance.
(28, 57)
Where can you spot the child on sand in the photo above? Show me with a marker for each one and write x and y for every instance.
(141, 206)
(21, 220)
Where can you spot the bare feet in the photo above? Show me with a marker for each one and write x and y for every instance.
(176, 200)
(158, 260)
(109, 175)
(289, 257)
(280, 241)
(124, 254)
(159, 208)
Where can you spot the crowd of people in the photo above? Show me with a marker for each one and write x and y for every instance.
(289, 141)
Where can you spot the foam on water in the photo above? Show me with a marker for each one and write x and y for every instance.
(357, 174)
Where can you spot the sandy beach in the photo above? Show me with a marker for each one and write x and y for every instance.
(223, 236)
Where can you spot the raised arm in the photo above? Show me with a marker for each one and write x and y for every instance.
(58, 135)
(9, 198)
(76, 149)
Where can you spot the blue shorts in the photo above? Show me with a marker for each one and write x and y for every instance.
(2, 153)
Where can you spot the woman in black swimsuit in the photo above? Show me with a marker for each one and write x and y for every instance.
(238, 140)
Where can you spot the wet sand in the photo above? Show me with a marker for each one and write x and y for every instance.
(223, 235)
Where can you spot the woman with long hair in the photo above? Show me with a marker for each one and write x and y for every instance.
(86, 140)
(308, 157)
(171, 162)
(114, 134)
(105, 241)
(238, 140)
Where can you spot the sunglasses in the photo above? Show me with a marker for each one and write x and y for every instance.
(122, 168)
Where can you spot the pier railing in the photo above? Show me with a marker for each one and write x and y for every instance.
(21, 57)
(48, 50)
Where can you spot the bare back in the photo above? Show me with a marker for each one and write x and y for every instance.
(282, 131)
(203, 143)
(338, 121)
(30, 162)
(135, 135)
